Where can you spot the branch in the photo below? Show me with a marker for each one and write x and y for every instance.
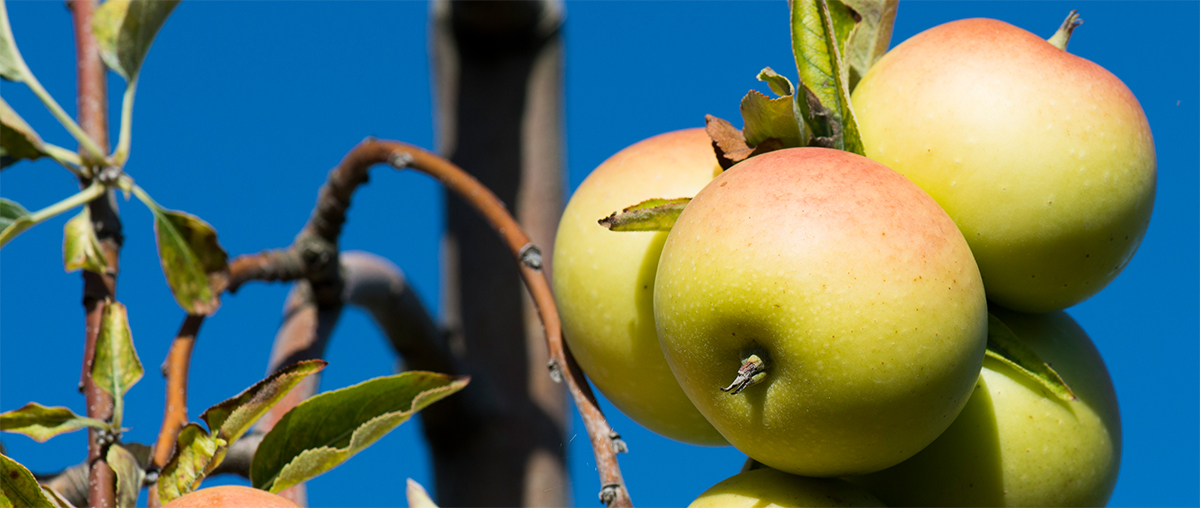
(92, 100)
(175, 416)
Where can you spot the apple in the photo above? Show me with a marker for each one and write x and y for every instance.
(846, 284)
(230, 496)
(762, 488)
(1044, 159)
(1016, 444)
(604, 281)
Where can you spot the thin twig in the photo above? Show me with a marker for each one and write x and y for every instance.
(175, 414)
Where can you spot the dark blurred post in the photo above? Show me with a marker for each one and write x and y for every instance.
(497, 70)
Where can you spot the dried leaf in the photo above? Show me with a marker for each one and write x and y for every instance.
(81, 247)
(42, 423)
(189, 464)
(327, 429)
(820, 29)
(125, 29)
(19, 488)
(870, 39)
(229, 419)
(195, 264)
(116, 366)
(649, 215)
(129, 475)
(12, 66)
(1004, 345)
(17, 139)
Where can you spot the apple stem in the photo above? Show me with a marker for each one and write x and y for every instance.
(1063, 35)
(752, 372)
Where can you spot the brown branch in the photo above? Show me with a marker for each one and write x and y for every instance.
(175, 415)
(92, 99)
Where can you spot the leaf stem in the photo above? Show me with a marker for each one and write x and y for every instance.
(85, 141)
(67, 159)
(126, 135)
(93, 191)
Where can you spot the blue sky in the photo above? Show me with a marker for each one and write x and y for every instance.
(244, 106)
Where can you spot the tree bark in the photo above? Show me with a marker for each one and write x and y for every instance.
(498, 82)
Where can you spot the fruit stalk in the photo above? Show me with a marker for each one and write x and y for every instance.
(752, 372)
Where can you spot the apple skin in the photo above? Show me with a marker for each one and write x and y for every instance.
(230, 496)
(1016, 444)
(604, 281)
(1044, 159)
(859, 291)
(761, 488)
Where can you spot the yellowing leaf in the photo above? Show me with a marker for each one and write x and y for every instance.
(869, 40)
(195, 264)
(81, 248)
(231, 418)
(12, 66)
(116, 366)
(18, 487)
(325, 430)
(42, 423)
(649, 215)
(129, 475)
(124, 30)
(189, 464)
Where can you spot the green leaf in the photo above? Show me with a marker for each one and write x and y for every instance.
(129, 475)
(820, 29)
(766, 118)
(42, 423)
(1004, 345)
(124, 30)
(11, 215)
(781, 85)
(19, 488)
(12, 66)
(194, 263)
(325, 430)
(189, 464)
(17, 139)
(231, 418)
(81, 248)
(649, 215)
(116, 367)
(870, 39)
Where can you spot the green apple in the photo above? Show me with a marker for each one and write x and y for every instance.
(1016, 444)
(604, 281)
(848, 285)
(1044, 159)
(765, 488)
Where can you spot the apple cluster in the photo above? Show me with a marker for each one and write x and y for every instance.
(828, 314)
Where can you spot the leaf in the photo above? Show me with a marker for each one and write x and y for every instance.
(12, 66)
(649, 215)
(42, 423)
(325, 430)
(820, 29)
(194, 263)
(189, 464)
(19, 488)
(129, 475)
(417, 497)
(231, 418)
(17, 139)
(125, 29)
(766, 118)
(11, 215)
(781, 85)
(870, 39)
(116, 366)
(81, 248)
(59, 500)
(730, 145)
(1004, 345)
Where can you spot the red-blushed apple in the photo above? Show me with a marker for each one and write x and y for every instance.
(230, 496)
(763, 488)
(840, 299)
(604, 281)
(1017, 444)
(1043, 159)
